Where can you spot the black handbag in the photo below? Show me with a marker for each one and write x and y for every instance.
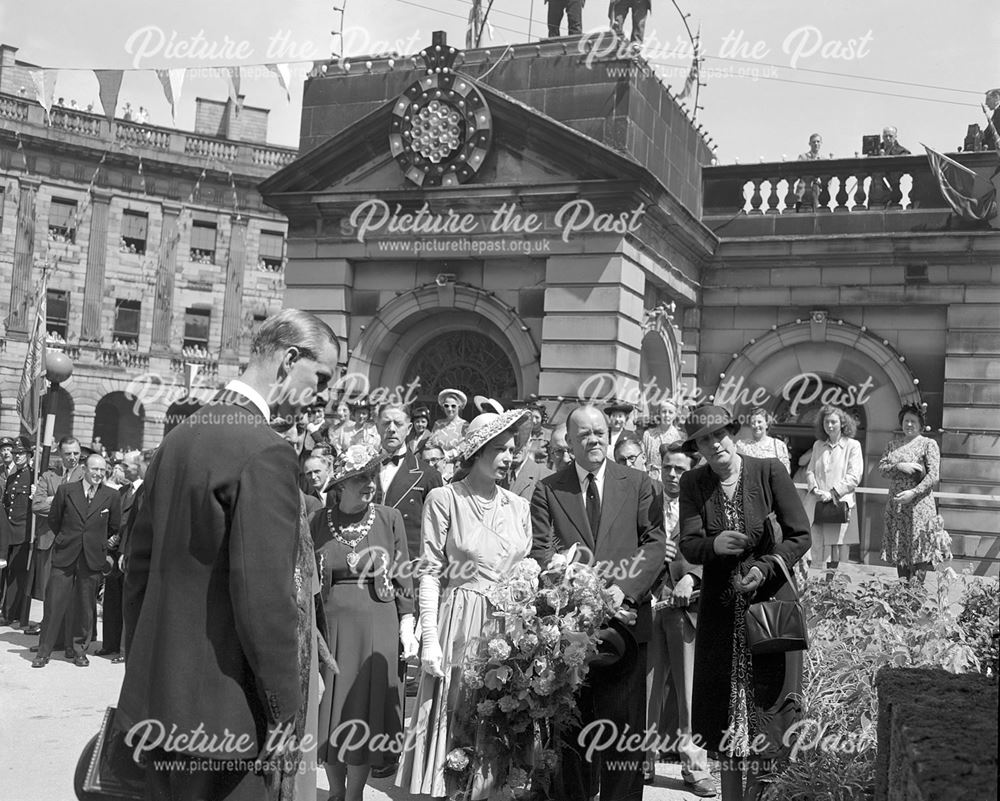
(831, 512)
(106, 769)
(778, 625)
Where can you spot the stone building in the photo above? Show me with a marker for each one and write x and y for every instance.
(542, 221)
(160, 254)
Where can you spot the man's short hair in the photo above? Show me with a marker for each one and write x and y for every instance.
(292, 328)
(626, 439)
(393, 405)
(68, 440)
(677, 446)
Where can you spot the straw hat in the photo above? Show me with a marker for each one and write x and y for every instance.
(357, 460)
(488, 426)
(457, 394)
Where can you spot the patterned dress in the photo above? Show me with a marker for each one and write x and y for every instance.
(448, 436)
(766, 448)
(911, 530)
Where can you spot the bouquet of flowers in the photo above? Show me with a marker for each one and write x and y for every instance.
(521, 678)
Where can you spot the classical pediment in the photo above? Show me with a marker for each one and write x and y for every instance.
(527, 149)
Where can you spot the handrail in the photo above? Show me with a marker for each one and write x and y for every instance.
(951, 496)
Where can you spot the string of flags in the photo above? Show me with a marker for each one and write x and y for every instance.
(171, 81)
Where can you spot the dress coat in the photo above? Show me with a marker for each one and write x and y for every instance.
(210, 599)
(766, 487)
(17, 504)
(82, 529)
(528, 475)
(406, 493)
(45, 491)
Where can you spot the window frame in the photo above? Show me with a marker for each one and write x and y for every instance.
(269, 262)
(119, 335)
(63, 322)
(192, 342)
(66, 231)
(211, 253)
(131, 241)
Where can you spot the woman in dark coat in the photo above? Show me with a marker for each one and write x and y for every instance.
(723, 510)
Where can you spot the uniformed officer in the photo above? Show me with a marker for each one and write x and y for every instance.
(17, 492)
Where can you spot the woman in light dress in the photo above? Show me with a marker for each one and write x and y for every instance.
(473, 533)
(835, 469)
(449, 431)
(912, 464)
(760, 444)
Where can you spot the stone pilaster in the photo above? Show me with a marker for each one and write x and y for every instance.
(592, 330)
(24, 257)
(232, 322)
(97, 254)
(163, 301)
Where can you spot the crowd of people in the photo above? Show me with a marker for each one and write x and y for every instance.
(266, 571)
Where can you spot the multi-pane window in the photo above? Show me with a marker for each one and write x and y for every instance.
(62, 220)
(127, 314)
(56, 313)
(134, 227)
(196, 325)
(203, 236)
(272, 251)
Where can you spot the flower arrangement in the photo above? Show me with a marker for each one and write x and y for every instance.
(520, 679)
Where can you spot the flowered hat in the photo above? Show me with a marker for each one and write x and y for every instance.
(355, 461)
(457, 394)
(487, 426)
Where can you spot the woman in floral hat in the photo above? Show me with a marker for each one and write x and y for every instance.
(473, 533)
(360, 548)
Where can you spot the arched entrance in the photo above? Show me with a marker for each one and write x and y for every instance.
(466, 360)
(659, 358)
(177, 413)
(119, 421)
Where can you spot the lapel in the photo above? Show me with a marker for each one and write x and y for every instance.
(615, 484)
(707, 484)
(523, 478)
(78, 497)
(407, 477)
(569, 496)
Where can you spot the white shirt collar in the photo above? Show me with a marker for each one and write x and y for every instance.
(252, 395)
(598, 474)
(136, 484)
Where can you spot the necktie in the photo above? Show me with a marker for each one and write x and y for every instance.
(90, 495)
(397, 459)
(593, 504)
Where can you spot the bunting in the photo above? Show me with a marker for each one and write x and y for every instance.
(172, 82)
(109, 84)
(284, 78)
(970, 196)
(233, 77)
(45, 87)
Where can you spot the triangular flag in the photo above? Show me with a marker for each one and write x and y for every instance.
(109, 83)
(284, 78)
(172, 82)
(45, 87)
(233, 77)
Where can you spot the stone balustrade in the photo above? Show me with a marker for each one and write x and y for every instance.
(208, 365)
(144, 140)
(119, 357)
(902, 183)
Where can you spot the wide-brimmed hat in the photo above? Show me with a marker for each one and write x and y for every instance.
(460, 396)
(488, 426)
(619, 406)
(705, 420)
(616, 648)
(357, 460)
(484, 404)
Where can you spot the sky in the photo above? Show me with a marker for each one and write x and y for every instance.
(776, 72)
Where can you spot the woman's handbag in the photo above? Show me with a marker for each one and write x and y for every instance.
(106, 769)
(777, 626)
(831, 512)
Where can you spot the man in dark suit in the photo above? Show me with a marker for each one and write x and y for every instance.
(65, 469)
(84, 515)
(611, 511)
(209, 599)
(17, 511)
(525, 472)
(114, 579)
(404, 480)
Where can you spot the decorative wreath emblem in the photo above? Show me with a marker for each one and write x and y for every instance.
(441, 126)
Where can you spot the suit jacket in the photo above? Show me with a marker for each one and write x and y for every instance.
(407, 493)
(82, 528)
(630, 535)
(209, 597)
(45, 491)
(128, 503)
(17, 504)
(528, 475)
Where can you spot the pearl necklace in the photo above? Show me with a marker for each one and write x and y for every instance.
(345, 534)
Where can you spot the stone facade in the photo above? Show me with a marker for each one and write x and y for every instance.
(184, 180)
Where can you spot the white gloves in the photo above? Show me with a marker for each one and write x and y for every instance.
(407, 638)
(431, 658)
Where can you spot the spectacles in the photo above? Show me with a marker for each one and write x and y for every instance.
(629, 460)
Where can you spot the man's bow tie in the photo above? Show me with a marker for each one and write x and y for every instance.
(397, 459)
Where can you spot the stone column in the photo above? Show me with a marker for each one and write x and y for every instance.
(163, 301)
(322, 285)
(592, 326)
(97, 253)
(232, 321)
(24, 257)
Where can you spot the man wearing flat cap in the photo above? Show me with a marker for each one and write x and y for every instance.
(17, 489)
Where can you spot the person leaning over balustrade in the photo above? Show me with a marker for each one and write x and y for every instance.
(807, 188)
